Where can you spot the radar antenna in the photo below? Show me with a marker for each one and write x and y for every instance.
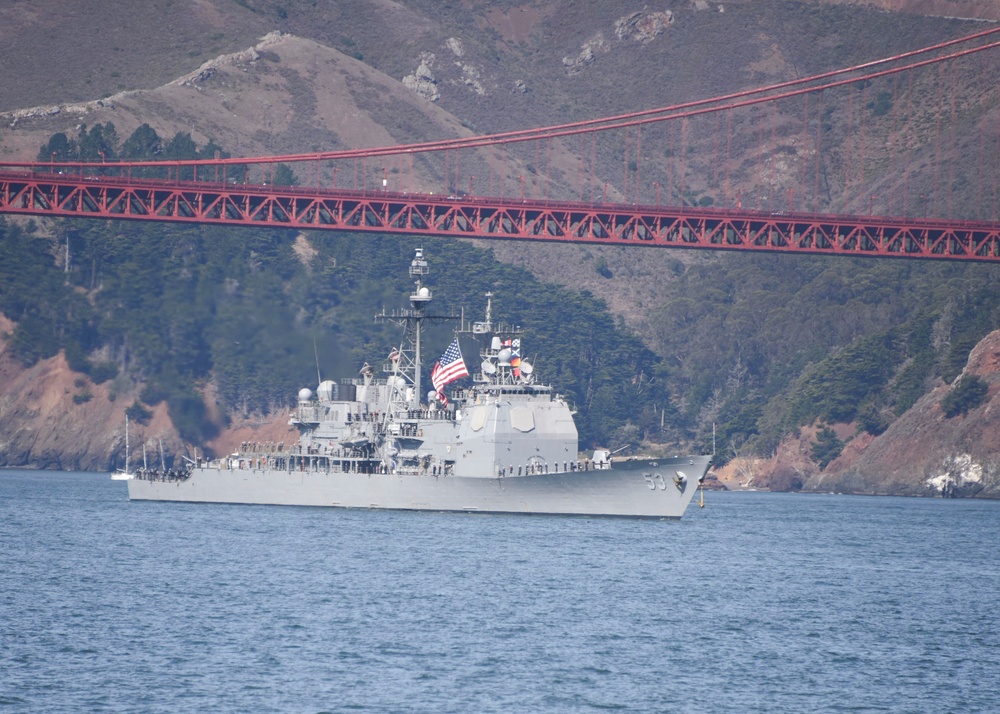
(407, 364)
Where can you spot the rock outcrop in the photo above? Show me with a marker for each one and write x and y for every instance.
(54, 418)
(641, 26)
(925, 452)
(423, 81)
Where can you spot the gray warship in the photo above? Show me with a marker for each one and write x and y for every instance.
(505, 444)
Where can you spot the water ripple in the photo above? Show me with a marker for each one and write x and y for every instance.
(759, 602)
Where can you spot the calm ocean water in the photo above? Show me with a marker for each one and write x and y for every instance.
(758, 602)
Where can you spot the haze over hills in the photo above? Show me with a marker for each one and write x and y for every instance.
(382, 72)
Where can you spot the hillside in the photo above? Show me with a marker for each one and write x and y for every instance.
(969, 9)
(955, 454)
(741, 340)
(926, 452)
(281, 94)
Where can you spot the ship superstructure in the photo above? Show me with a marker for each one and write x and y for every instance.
(505, 443)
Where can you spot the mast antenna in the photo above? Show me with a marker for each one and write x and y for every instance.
(319, 378)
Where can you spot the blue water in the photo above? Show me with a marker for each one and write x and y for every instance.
(758, 602)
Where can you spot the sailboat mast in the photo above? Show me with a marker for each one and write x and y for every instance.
(126, 443)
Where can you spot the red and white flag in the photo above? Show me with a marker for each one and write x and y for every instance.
(450, 367)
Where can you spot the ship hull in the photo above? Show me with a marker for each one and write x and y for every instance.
(660, 488)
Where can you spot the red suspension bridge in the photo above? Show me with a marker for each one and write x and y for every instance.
(895, 157)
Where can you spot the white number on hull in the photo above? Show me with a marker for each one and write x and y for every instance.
(654, 480)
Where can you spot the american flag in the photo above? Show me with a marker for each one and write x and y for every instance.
(450, 367)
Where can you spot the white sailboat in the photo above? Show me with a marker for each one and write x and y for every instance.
(124, 474)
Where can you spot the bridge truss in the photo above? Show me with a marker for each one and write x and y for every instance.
(242, 191)
(94, 196)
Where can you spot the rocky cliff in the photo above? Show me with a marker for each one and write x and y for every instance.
(52, 417)
(923, 453)
(927, 452)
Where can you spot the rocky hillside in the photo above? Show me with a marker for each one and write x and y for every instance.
(924, 452)
(928, 450)
(971, 9)
(390, 72)
(52, 417)
(282, 94)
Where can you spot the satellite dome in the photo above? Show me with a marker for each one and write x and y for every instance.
(504, 357)
(421, 297)
(305, 394)
(327, 390)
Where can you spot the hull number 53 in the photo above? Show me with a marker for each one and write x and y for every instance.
(655, 481)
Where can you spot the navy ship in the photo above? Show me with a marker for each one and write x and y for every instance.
(505, 443)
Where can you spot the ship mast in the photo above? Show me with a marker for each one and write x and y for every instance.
(408, 363)
(419, 298)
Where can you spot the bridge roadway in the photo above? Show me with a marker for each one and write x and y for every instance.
(309, 208)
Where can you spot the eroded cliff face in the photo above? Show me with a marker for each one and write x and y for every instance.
(925, 452)
(54, 418)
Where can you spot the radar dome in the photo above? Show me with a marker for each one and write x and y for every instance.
(421, 296)
(326, 390)
(396, 382)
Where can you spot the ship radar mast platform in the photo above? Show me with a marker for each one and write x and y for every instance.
(405, 362)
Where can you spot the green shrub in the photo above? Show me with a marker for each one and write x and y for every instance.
(153, 393)
(872, 421)
(188, 413)
(968, 393)
(138, 413)
(827, 447)
(101, 372)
